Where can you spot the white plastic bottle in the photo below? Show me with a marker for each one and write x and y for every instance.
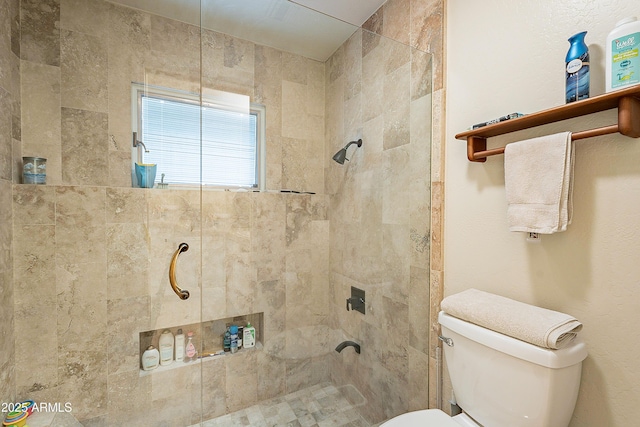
(179, 346)
(622, 55)
(249, 336)
(150, 358)
(166, 347)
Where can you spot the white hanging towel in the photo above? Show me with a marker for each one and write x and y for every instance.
(539, 183)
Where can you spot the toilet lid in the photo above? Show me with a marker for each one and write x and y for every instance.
(424, 418)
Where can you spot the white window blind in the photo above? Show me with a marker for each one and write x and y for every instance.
(170, 129)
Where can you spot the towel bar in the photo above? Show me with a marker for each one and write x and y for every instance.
(627, 101)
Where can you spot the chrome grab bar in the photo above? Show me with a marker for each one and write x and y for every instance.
(182, 294)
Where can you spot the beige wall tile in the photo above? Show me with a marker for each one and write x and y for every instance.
(83, 71)
(85, 16)
(39, 32)
(36, 370)
(301, 373)
(126, 205)
(127, 260)
(82, 306)
(6, 143)
(397, 18)
(242, 389)
(271, 376)
(41, 116)
(85, 147)
(34, 263)
(419, 310)
(83, 376)
(418, 380)
(397, 107)
(427, 33)
(127, 392)
(77, 206)
(34, 204)
(126, 317)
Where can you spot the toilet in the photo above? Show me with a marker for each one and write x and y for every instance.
(499, 381)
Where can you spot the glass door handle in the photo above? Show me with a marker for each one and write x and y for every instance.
(182, 294)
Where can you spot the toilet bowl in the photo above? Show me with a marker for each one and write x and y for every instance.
(429, 417)
(500, 381)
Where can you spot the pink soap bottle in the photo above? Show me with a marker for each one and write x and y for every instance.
(190, 350)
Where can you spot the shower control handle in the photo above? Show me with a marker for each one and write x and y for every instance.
(357, 300)
(354, 302)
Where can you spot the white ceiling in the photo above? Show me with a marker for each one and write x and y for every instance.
(305, 27)
(355, 12)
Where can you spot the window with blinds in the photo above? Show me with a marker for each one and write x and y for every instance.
(204, 143)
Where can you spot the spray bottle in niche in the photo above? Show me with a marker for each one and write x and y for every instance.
(577, 69)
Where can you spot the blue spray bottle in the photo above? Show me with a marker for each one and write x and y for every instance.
(577, 69)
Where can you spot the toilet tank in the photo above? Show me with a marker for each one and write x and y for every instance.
(501, 381)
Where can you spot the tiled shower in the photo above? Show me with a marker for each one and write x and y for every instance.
(84, 271)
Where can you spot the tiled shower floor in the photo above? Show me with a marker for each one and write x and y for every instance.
(321, 405)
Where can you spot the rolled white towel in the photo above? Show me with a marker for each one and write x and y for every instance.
(535, 325)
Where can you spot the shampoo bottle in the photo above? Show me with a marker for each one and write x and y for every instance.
(234, 338)
(577, 69)
(179, 346)
(226, 340)
(166, 347)
(249, 339)
(150, 358)
(622, 60)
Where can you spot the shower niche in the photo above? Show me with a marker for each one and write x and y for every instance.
(207, 339)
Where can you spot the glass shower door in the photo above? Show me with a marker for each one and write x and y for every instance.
(155, 86)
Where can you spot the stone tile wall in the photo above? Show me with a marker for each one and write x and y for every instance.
(9, 150)
(380, 90)
(403, 329)
(99, 276)
(92, 254)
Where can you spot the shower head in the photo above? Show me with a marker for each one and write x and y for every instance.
(341, 155)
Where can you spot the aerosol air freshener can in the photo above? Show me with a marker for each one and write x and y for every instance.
(577, 69)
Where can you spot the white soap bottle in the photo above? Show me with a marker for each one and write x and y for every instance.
(249, 336)
(166, 347)
(179, 346)
(150, 358)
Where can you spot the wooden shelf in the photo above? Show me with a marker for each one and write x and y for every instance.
(627, 101)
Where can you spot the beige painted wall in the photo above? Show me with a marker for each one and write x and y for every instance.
(503, 58)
